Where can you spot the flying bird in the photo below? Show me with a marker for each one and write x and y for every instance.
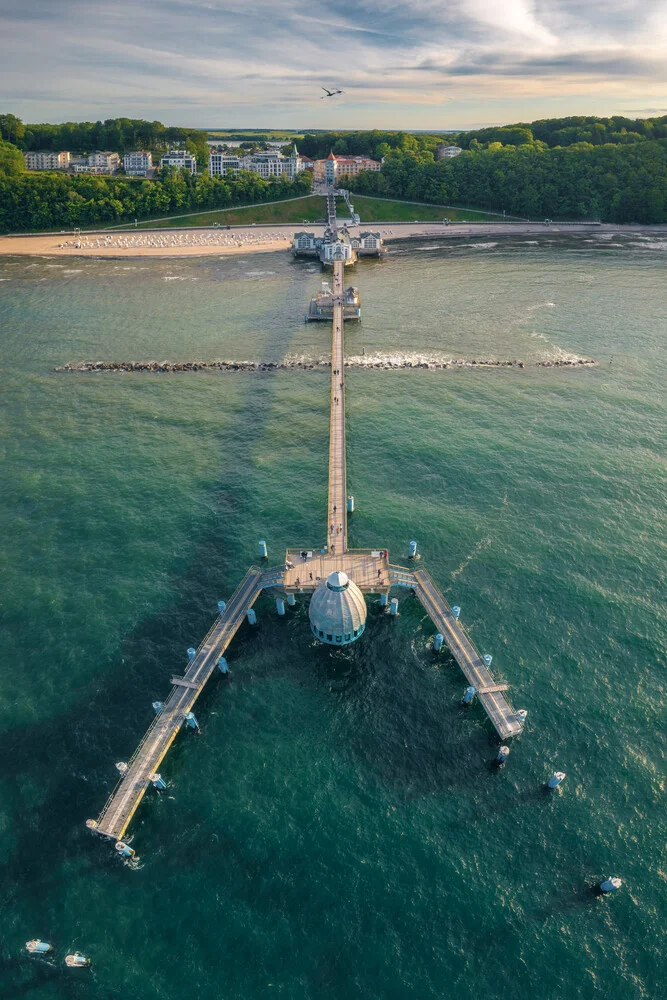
(330, 93)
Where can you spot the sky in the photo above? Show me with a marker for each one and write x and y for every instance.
(420, 64)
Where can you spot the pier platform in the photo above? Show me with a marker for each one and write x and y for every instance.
(368, 568)
(128, 793)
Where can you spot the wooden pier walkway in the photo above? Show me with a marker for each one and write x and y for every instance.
(128, 793)
(337, 508)
(496, 706)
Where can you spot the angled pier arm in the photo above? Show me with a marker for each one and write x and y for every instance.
(337, 507)
(128, 793)
(490, 694)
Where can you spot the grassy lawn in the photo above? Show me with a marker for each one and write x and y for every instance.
(379, 210)
(308, 209)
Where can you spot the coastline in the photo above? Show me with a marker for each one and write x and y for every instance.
(270, 238)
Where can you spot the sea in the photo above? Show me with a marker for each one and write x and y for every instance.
(338, 830)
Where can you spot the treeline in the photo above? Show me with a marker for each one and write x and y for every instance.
(116, 135)
(35, 201)
(550, 132)
(608, 183)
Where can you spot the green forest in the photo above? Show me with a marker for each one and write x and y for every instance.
(30, 202)
(604, 169)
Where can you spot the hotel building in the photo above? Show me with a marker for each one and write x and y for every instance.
(44, 159)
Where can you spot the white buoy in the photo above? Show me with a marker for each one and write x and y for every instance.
(251, 616)
(556, 778)
(488, 659)
(611, 884)
(438, 641)
(192, 652)
(393, 606)
(192, 721)
(221, 606)
(291, 600)
(350, 504)
(280, 606)
(456, 611)
(223, 665)
(468, 695)
(502, 755)
(125, 849)
(158, 782)
(158, 706)
(413, 550)
(121, 766)
(37, 947)
(384, 600)
(521, 716)
(263, 551)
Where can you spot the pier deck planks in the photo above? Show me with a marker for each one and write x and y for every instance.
(496, 706)
(337, 508)
(122, 804)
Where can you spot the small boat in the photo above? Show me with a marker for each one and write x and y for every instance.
(77, 960)
(37, 947)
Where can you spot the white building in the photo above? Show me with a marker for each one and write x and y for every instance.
(180, 158)
(44, 159)
(267, 164)
(443, 152)
(137, 164)
(104, 162)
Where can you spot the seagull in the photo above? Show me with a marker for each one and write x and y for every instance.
(330, 93)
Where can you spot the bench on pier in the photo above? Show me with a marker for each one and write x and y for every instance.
(182, 682)
(493, 688)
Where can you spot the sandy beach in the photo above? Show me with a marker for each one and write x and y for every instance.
(202, 241)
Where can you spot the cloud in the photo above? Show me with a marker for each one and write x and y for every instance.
(400, 65)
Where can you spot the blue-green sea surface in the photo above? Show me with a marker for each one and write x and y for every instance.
(337, 831)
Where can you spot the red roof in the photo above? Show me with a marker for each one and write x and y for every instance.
(331, 156)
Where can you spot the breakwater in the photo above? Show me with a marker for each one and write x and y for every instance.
(163, 367)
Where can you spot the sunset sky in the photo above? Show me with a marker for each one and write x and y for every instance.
(426, 64)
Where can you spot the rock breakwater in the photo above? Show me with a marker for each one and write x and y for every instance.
(163, 367)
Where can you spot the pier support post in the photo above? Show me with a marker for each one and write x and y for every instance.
(350, 504)
(413, 550)
(191, 721)
(223, 666)
(280, 606)
(121, 766)
(263, 551)
(393, 607)
(291, 600)
(125, 850)
(251, 616)
(221, 606)
(192, 652)
(158, 706)
(611, 884)
(556, 778)
(468, 695)
(456, 611)
(521, 716)
(158, 782)
(437, 642)
(384, 600)
(502, 755)
(488, 659)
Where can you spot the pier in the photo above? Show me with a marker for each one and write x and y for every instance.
(307, 570)
(128, 793)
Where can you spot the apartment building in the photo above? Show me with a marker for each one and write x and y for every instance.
(266, 164)
(44, 159)
(137, 164)
(328, 171)
(180, 158)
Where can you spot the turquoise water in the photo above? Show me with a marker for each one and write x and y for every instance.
(337, 830)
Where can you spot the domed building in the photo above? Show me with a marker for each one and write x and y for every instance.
(337, 610)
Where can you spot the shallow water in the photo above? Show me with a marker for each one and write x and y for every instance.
(337, 831)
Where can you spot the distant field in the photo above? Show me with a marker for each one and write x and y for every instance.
(306, 209)
(379, 210)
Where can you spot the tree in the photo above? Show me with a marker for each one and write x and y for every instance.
(12, 129)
